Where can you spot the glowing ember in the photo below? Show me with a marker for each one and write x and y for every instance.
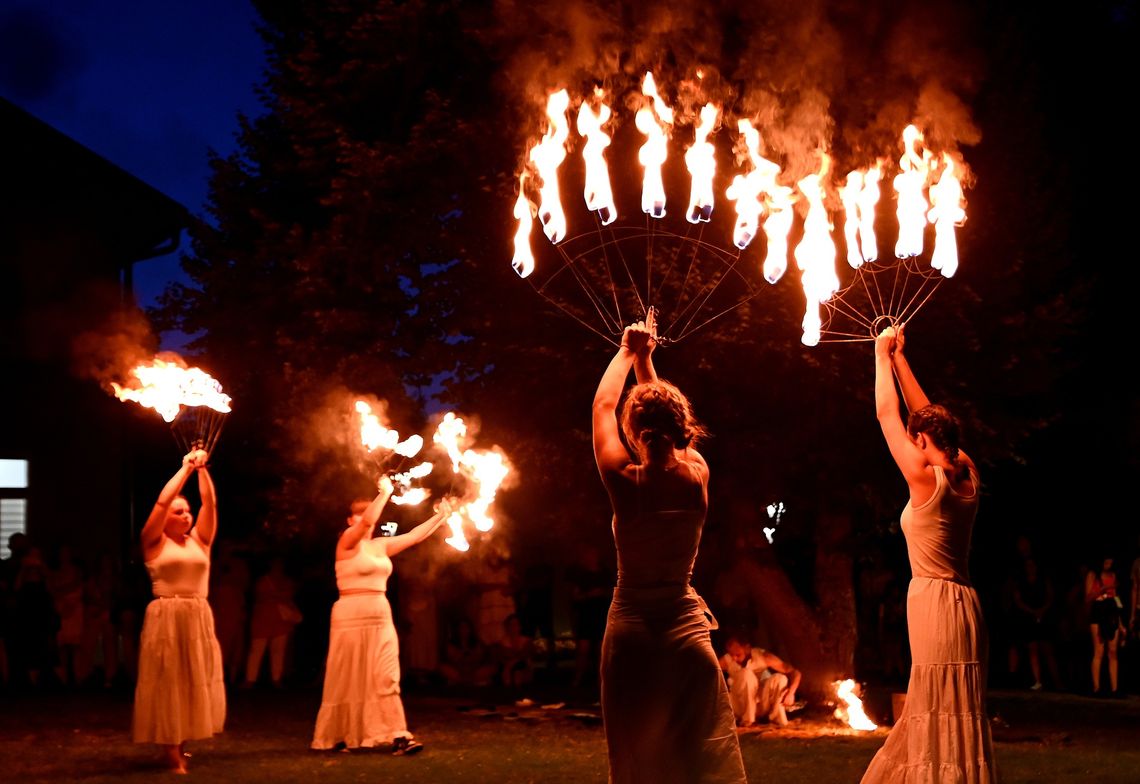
(523, 260)
(599, 196)
(168, 386)
(701, 162)
(946, 213)
(654, 120)
(547, 156)
(850, 709)
(909, 183)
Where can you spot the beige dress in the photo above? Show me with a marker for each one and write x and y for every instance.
(665, 705)
(943, 736)
(360, 703)
(179, 694)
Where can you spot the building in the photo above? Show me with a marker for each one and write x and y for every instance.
(72, 227)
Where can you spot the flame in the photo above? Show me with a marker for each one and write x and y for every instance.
(485, 470)
(168, 386)
(849, 195)
(946, 212)
(547, 156)
(815, 255)
(373, 434)
(745, 189)
(654, 122)
(700, 159)
(457, 539)
(851, 711)
(868, 198)
(410, 447)
(405, 494)
(909, 183)
(598, 193)
(524, 212)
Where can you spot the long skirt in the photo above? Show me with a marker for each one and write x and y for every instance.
(943, 735)
(665, 705)
(179, 694)
(360, 705)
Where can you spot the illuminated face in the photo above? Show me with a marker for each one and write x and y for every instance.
(738, 651)
(357, 514)
(179, 520)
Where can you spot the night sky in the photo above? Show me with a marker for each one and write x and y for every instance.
(149, 86)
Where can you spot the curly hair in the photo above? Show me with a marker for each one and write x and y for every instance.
(939, 425)
(659, 414)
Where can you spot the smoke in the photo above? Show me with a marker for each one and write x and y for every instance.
(813, 76)
(113, 348)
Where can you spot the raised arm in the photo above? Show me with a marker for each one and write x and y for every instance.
(912, 393)
(152, 529)
(398, 544)
(208, 515)
(908, 457)
(643, 369)
(609, 452)
(360, 528)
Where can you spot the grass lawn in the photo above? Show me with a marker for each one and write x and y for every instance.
(84, 737)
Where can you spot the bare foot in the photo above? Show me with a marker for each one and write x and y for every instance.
(175, 759)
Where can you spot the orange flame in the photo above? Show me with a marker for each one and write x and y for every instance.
(655, 122)
(700, 159)
(745, 189)
(486, 470)
(815, 254)
(524, 212)
(851, 708)
(849, 195)
(598, 193)
(168, 386)
(373, 434)
(911, 212)
(946, 212)
(547, 156)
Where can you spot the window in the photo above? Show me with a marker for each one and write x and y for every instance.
(13, 501)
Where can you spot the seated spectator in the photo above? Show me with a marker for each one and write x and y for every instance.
(759, 683)
(466, 660)
(515, 653)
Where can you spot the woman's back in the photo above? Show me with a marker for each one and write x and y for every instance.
(657, 525)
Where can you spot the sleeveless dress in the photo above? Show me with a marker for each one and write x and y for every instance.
(943, 734)
(360, 704)
(179, 694)
(665, 705)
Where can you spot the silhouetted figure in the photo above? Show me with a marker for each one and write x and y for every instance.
(275, 614)
(1106, 623)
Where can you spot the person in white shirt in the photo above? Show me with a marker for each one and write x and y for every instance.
(760, 683)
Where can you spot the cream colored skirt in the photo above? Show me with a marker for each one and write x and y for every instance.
(361, 706)
(943, 736)
(179, 694)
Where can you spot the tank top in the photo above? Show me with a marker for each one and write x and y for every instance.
(657, 548)
(180, 570)
(938, 531)
(364, 571)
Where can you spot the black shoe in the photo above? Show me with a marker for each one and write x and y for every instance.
(404, 746)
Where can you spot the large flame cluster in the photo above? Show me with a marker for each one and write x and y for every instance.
(168, 385)
(927, 186)
(480, 469)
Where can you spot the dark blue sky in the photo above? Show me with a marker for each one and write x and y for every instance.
(151, 86)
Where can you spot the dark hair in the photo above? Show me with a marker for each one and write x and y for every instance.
(659, 414)
(937, 424)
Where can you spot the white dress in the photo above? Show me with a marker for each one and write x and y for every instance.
(179, 694)
(360, 704)
(944, 733)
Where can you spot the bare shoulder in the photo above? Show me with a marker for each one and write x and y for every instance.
(697, 460)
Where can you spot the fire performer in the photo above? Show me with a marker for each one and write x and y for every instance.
(360, 705)
(665, 705)
(943, 733)
(179, 695)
